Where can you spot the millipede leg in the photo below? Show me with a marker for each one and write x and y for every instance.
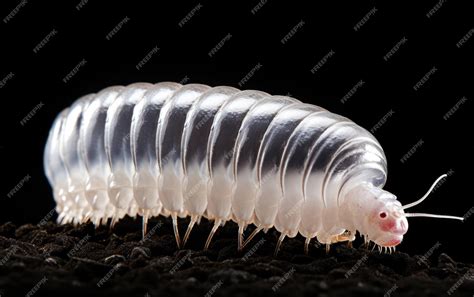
(251, 236)
(280, 240)
(306, 245)
(174, 217)
(366, 242)
(87, 217)
(103, 221)
(114, 220)
(328, 247)
(60, 218)
(240, 237)
(217, 223)
(188, 231)
(96, 222)
(373, 247)
(144, 223)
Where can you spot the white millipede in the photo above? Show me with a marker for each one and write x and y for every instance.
(223, 154)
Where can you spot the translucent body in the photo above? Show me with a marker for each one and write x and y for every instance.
(216, 152)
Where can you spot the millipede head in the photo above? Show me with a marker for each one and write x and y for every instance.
(387, 220)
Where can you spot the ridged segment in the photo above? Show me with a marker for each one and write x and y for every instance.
(247, 145)
(221, 144)
(195, 139)
(70, 152)
(144, 149)
(54, 165)
(92, 135)
(270, 191)
(118, 149)
(169, 133)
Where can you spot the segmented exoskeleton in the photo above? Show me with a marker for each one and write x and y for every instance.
(222, 154)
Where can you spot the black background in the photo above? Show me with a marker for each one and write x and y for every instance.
(285, 69)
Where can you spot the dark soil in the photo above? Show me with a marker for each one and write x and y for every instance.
(63, 260)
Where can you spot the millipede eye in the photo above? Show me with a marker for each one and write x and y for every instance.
(383, 215)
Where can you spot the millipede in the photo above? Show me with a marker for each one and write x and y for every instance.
(222, 154)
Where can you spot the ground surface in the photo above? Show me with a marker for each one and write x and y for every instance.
(82, 261)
